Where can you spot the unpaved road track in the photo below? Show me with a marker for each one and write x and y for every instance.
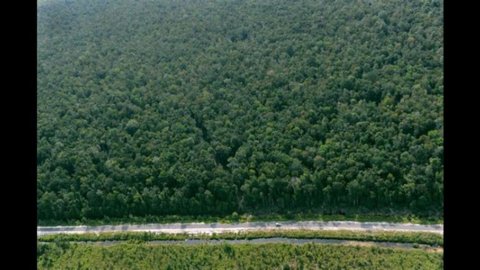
(209, 228)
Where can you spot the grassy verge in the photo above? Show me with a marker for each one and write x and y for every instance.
(405, 218)
(224, 256)
(397, 237)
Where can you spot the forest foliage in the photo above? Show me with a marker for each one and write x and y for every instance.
(200, 107)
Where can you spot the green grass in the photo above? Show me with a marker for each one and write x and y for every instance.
(397, 237)
(405, 218)
(225, 256)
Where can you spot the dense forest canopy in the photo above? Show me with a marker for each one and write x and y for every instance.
(200, 107)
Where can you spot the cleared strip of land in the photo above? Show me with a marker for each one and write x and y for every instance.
(211, 228)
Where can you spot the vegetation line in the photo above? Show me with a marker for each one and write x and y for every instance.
(259, 241)
(395, 237)
(406, 218)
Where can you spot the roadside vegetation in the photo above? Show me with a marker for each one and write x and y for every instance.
(224, 256)
(432, 239)
(235, 217)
